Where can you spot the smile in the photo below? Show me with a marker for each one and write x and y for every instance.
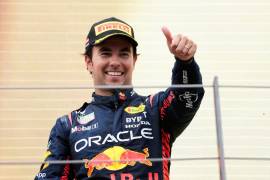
(114, 73)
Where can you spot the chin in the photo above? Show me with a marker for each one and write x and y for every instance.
(115, 83)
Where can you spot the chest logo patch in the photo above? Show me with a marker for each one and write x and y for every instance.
(83, 119)
(116, 158)
(134, 109)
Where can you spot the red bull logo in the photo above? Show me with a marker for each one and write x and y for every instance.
(116, 158)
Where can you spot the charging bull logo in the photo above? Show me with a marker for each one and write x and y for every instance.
(116, 158)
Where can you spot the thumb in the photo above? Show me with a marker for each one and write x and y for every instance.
(167, 33)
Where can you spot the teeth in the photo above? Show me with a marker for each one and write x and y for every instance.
(114, 73)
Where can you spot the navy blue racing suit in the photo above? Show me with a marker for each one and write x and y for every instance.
(118, 136)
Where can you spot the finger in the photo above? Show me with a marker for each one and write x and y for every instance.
(193, 49)
(175, 42)
(181, 45)
(167, 33)
(187, 46)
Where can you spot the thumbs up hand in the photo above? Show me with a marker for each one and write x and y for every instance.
(180, 46)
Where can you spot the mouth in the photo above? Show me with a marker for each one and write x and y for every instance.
(114, 73)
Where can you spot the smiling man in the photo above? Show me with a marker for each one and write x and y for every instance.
(111, 63)
(119, 132)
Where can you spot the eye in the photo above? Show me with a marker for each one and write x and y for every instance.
(124, 54)
(105, 54)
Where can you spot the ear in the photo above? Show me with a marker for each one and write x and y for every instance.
(88, 63)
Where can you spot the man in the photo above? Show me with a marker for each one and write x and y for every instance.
(120, 133)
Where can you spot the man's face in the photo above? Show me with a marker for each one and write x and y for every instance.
(112, 62)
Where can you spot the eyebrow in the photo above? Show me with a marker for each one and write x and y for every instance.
(106, 49)
(102, 49)
(126, 49)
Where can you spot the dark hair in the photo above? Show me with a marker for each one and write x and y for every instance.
(89, 52)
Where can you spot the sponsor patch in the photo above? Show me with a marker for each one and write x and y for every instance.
(188, 98)
(83, 119)
(46, 155)
(84, 128)
(185, 77)
(116, 158)
(41, 175)
(134, 109)
(112, 25)
(121, 136)
(135, 122)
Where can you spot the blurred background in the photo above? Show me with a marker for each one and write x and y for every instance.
(41, 43)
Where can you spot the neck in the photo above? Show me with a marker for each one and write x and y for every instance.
(104, 92)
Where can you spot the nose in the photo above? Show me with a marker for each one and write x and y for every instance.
(114, 62)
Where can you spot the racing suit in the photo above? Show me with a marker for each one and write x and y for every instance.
(118, 136)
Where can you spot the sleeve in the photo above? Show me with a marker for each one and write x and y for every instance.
(178, 106)
(58, 149)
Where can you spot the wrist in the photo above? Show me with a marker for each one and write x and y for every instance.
(188, 61)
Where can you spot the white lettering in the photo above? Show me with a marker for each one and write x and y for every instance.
(147, 131)
(120, 133)
(98, 138)
(84, 128)
(189, 98)
(189, 104)
(109, 138)
(133, 119)
(112, 139)
(41, 175)
(81, 148)
(144, 113)
(128, 120)
(131, 126)
(132, 137)
(132, 93)
(185, 77)
(145, 123)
